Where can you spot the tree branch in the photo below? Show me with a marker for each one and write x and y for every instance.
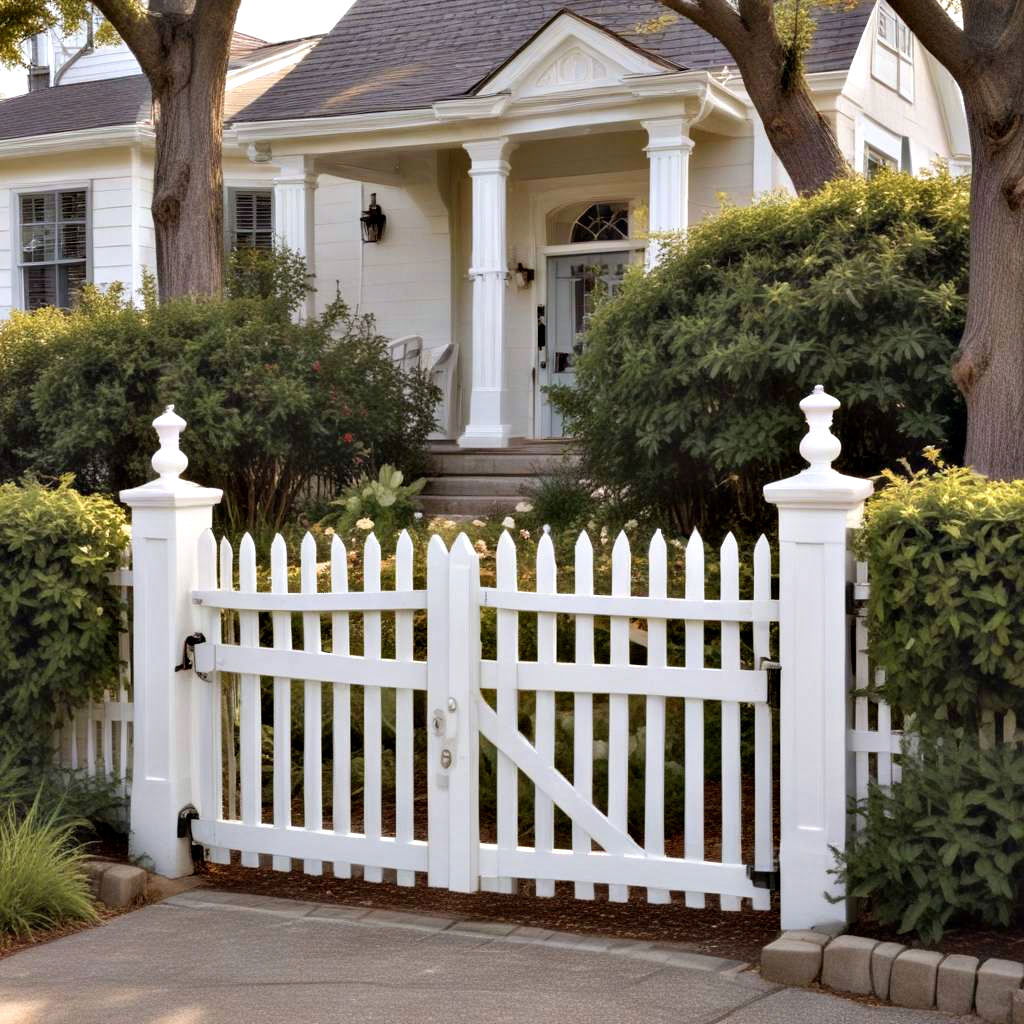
(941, 36)
(717, 17)
(133, 25)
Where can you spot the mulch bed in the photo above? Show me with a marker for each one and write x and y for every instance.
(736, 935)
(10, 945)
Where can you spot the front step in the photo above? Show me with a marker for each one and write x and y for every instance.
(479, 486)
(487, 481)
(466, 506)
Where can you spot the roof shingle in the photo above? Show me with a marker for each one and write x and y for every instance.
(384, 56)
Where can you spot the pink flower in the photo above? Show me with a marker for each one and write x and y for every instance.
(316, 366)
(347, 437)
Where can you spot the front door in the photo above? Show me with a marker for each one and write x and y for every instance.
(575, 285)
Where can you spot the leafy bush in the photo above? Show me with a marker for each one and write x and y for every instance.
(385, 503)
(945, 554)
(275, 408)
(562, 500)
(947, 843)
(59, 615)
(42, 881)
(688, 386)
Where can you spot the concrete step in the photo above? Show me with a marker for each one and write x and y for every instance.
(466, 505)
(479, 486)
(494, 463)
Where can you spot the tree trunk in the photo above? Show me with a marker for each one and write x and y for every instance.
(188, 207)
(990, 363)
(802, 139)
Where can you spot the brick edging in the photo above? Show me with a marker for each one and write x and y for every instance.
(916, 978)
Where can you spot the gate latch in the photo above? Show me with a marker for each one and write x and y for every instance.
(188, 649)
(773, 669)
(760, 879)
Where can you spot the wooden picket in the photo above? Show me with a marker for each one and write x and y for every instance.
(97, 739)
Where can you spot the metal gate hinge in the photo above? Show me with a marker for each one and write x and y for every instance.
(761, 879)
(188, 649)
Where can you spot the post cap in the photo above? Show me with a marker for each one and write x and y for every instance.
(170, 462)
(819, 485)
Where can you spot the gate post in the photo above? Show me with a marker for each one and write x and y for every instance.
(816, 508)
(462, 736)
(168, 516)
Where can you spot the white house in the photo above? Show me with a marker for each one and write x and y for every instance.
(520, 153)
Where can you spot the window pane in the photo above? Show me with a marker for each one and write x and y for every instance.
(71, 278)
(602, 222)
(72, 206)
(38, 209)
(253, 219)
(72, 241)
(40, 287)
(38, 243)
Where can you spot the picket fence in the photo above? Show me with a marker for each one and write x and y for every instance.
(771, 815)
(97, 740)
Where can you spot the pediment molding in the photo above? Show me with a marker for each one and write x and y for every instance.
(569, 55)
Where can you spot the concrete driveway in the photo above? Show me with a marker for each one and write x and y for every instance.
(208, 957)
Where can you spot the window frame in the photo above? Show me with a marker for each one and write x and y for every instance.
(901, 49)
(18, 267)
(231, 192)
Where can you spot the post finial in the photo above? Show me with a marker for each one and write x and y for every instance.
(820, 447)
(169, 461)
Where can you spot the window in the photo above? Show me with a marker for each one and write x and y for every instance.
(893, 62)
(54, 247)
(252, 219)
(875, 160)
(602, 222)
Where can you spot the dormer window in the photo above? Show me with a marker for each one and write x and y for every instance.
(893, 61)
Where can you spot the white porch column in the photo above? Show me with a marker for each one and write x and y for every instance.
(668, 150)
(489, 170)
(295, 213)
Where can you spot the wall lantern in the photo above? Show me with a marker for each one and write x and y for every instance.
(524, 276)
(373, 221)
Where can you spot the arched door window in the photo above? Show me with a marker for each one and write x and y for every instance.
(602, 222)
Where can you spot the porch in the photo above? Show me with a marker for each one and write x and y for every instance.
(509, 211)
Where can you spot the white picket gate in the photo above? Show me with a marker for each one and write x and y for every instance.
(183, 583)
(454, 680)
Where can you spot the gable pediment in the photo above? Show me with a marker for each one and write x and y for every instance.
(569, 55)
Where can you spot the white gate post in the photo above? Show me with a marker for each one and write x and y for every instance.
(462, 735)
(816, 508)
(168, 516)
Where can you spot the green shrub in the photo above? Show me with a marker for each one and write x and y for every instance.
(275, 408)
(42, 881)
(688, 386)
(385, 502)
(945, 554)
(946, 845)
(562, 500)
(59, 615)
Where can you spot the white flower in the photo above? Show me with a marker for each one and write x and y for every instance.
(364, 523)
(524, 506)
(481, 546)
(509, 523)
(604, 534)
(591, 525)
(631, 524)
(525, 534)
(600, 750)
(448, 524)
(677, 543)
(478, 523)
(329, 532)
(417, 516)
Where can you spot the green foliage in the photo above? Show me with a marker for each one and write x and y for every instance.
(945, 554)
(947, 843)
(563, 500)
(59, 615)
(689, 383)
(42, 881)
(72, 797)
(385, 503)
(275, 408)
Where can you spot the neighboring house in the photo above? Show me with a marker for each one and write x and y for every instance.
(520, 153)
